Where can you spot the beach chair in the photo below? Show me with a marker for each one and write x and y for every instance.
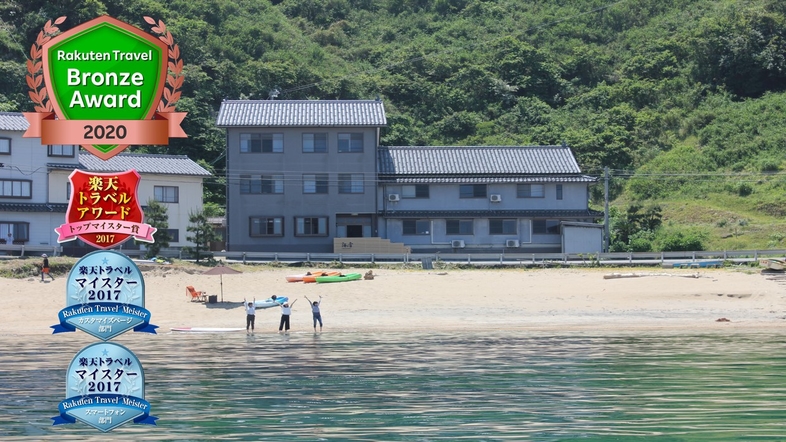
(196, 296)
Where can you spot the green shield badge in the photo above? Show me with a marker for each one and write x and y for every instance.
(104, 81)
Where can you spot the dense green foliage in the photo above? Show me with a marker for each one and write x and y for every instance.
(682, 99)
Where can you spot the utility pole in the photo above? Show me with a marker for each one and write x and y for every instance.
(606, 209)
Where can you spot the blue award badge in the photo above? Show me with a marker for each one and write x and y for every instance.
(105, 388)
(105, 297)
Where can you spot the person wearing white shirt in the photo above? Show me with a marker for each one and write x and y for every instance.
(250, 316)
(286, 310)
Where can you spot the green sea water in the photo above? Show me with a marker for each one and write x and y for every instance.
(491, 386)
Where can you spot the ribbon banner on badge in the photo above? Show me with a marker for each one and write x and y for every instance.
(104, 210)
(105, 297)
(105, 85)
(105, 388)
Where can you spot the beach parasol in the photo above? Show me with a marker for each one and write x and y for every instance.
(221, 271)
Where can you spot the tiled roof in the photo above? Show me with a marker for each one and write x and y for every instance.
(476, 160)
(143, 163)
(12, 121)
(488, 179)
(589, 213)
(301, 113)
(33, 207)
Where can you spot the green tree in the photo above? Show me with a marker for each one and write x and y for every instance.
(156, 215)
(202, 234)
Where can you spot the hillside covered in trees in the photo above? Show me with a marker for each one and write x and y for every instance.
(683, 100)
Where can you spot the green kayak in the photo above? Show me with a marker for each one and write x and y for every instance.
(339, 278)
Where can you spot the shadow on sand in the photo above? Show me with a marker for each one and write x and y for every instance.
(224, 305)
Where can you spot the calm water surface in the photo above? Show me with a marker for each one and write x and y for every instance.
(420, 387)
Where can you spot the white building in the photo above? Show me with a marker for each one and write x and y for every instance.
(34, 186)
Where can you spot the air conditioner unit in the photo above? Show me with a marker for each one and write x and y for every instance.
(495, 198)
(394, 197)
(511, 243)
(457, 243)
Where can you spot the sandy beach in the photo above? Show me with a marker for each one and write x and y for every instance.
(421, 300)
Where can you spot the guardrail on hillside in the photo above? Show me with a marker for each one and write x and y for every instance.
(510, 259)
(30, 250)
(523, 259)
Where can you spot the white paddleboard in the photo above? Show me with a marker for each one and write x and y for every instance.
(205, 329)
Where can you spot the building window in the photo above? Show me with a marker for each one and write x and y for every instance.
(61, 150)
(503, 227)
(417, 227)
(350, 142)
(259, 185)
(16, 188)
(459, 227)
(559, 191)
(472, 191)
(315, 143)
(174, 235)
(19, 232)
(261, 143)
(68, 191)
(315, 226)
(249, 185)
(272, 183)
(545, 226)
(266, 226)
(5, 146)
(350, 183)
(529, 191)
(315, 183)
(414, 191)
(166, 194)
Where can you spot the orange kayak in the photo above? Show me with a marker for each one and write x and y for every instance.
(313, 276)
(299, 278)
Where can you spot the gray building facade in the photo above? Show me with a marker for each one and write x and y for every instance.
(301, 173)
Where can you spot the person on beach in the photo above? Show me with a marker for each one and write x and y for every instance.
(286, 310)
(315, 312)
(251, 310)
(45, 268)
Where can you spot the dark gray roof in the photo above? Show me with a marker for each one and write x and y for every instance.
(301, 113)
(33, 207)
(143, 163)
(589, 213)
(12, 121)
(424, 161)
(487, 179)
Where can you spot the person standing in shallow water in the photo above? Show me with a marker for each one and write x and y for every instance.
(45, 268)
(250, 316)
(315, 312)
(286, 310)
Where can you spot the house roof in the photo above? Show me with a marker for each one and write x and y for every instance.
(33, 207)
(588, 213)
(487, 179)
(443, 161)
(143, 163)
(13, 121)
(301, 113)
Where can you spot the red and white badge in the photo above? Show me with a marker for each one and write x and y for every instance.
(104, 210)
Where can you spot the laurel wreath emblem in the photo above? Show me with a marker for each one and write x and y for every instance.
(35, 76)
(175, 76)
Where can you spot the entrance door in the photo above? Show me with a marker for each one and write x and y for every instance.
(354, 231)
